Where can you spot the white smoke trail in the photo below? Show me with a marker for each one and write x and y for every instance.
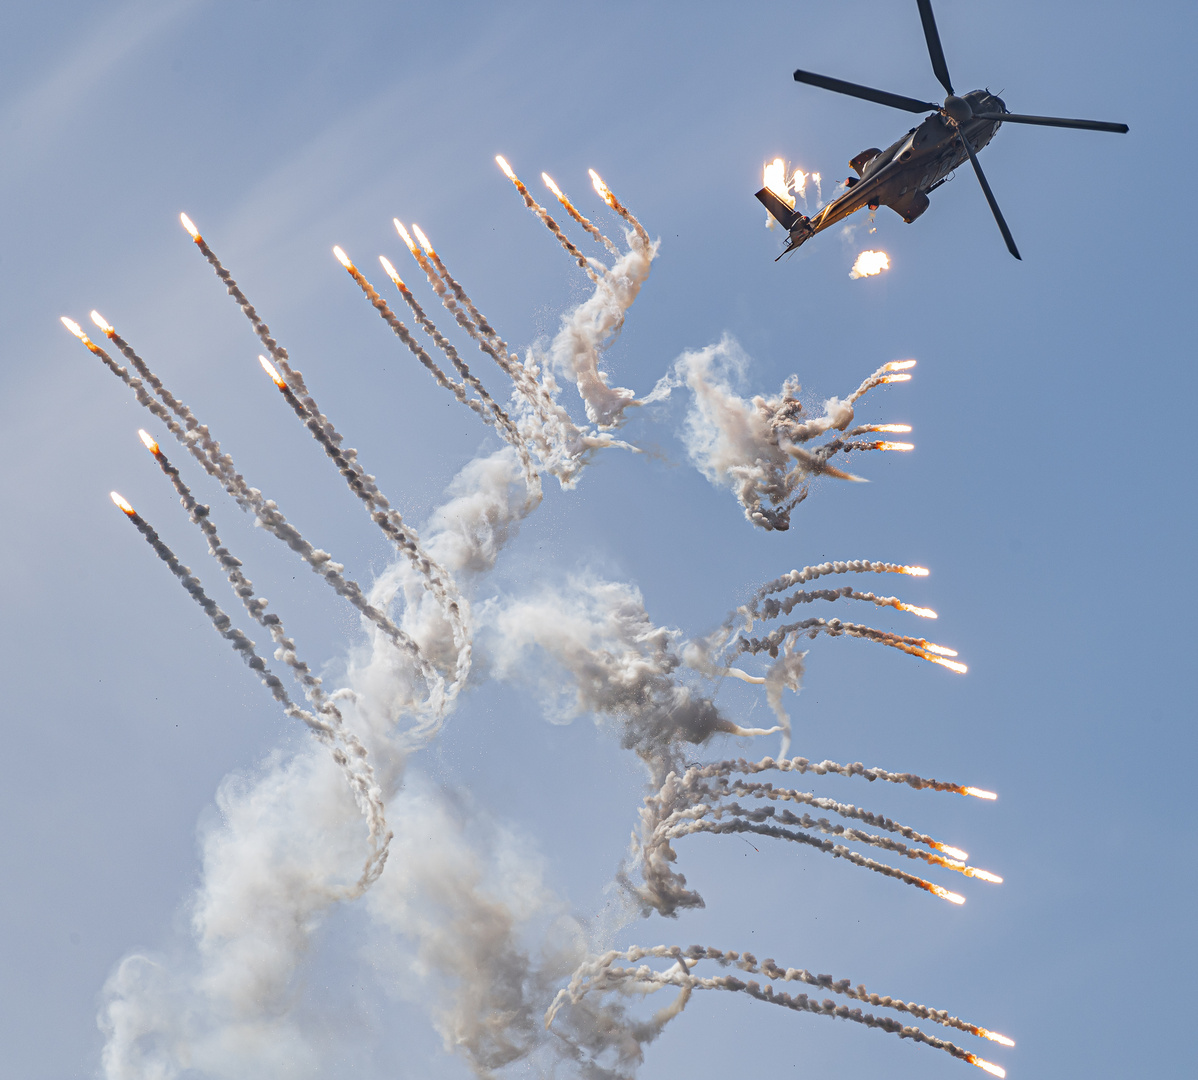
(572, 210)
(543, 214)
(267, 514)
(357, 768)
(599, 975)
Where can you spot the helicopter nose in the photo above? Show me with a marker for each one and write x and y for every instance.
(957, 109)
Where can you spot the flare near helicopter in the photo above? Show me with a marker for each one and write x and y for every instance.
(902, 175)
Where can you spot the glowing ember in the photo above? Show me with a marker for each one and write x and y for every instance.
(953, 852)
(195, 233)
(147, 440)
(989, 1066)
(74, 328)
(424, 240)
(603, 191)
(870, 263)
(922, 612)
(978, 793)
(985, 875)
(103, 323)
(407, 239)
(994, 1036)
(391, 272)
(507, 169)
(121, 503)
(272, 371)
(342, 258)
(775, 180)
(944, 894)
(552, 186)
(952, 665)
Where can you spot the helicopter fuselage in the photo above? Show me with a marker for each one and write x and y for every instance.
(902, 175)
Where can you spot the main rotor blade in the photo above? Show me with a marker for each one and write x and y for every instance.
(1055, 121)
(934, 49)
(882, 97)
(1002, 224)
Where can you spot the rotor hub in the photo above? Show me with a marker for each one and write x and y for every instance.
(957, 109)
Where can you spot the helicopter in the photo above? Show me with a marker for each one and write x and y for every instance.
(902, 175)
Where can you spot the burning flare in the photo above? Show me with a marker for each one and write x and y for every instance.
(551, 185)
(952, 665)
(978, 793)
(103, 324)
(601, 189)
(994, 1036)
(147, 440)
(75, 329)
(187, 224)
(121, 503)
(894, 446)
(870, 263)
(922, 612)
(407, 238)
(392, 273)
(272, 371)
(425, 242)
(507, 169)
(944, 894)
(989, 1066)
(952, 852)
(775, 180)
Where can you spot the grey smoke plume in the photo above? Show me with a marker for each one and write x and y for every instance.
(756, 446)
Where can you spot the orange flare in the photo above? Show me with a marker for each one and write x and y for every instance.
(978, 793)
(424, 240)
(270, 370)
(896, 378)
(894, 446)
(121, 503)
(869, 264)
(552, 186)
(603, 191)
(103, 323)
(74, 328)
(983, 875)
(898, 365)
(342, 258)
(774, 178)
(407, 239)
(952, 665)
(894, 429)
(939, 650)
(391, 272)
(915, 571)
(147, 440)
(989, 1066)
(944, 894)
(922, 612)
(501, 161)
(994, 1036)
(195, 233)
(952, 852)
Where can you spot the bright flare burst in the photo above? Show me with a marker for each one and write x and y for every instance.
(870, 263)
(507, 169)
(944, 894)
(922, 612)
(989, 1066)
(147, 440)
(603, 191)
(952, 852)
(187, 224)
(407, 237)
(978, 793)
(775, 180)
(103, 323)
(121, 503)
(342, 258)
(272, 371)
(425, 242)
(994, 1036)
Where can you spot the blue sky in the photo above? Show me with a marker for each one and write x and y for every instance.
(1049, 494)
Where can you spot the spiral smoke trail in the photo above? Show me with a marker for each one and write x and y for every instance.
(357, 769)
(269, 517)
